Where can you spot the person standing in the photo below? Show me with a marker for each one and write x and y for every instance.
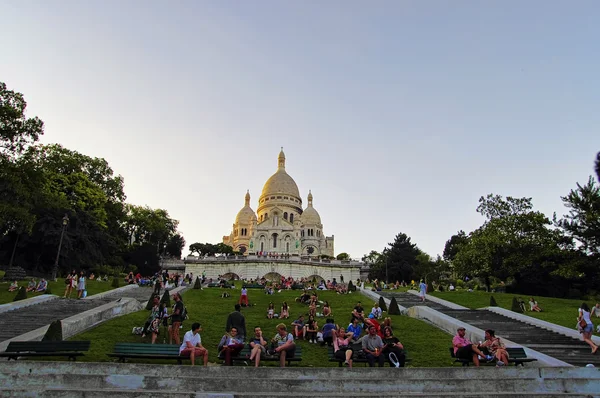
(588, 329)
(176, 319)
(244, 297)
(70, 281)
(422, 290)
(236, 320)
(80, 285)
(192, 345)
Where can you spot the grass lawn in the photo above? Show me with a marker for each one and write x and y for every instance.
(427, 346)
(562, 312)
(57, 288)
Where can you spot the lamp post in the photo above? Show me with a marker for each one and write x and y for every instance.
(65, 221)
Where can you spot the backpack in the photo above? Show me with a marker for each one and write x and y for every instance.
(184, 314)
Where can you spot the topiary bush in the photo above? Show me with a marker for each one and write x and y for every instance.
(198, 283)
(150, 302)
(493, 302)
(441, 288)
(393, 308)
(115, 282)
(21, 294)
(54, 332)
(382, 304)
(166, 299)
(515, 306)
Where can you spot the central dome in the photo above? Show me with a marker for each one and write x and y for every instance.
(281, 182)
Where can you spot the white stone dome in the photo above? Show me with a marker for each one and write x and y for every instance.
(281, 182)
(246, 215)
(310, 216)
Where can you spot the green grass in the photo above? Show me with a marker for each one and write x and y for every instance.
(562, 312)
(57, 288)
(427, 346)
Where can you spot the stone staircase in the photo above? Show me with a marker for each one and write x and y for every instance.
(567, 349)
(64, 379)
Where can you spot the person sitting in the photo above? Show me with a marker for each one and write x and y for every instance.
(42, 286)
(31, 285)
(92, 276)
(310, 329)
(596, 310)
(284, 345)
(533, 305)
(192, 345)
(451, 287)
(495, 347)
(271, 310)
(393, 348)
(285, 310)
(464, 349)
(13, 286)
(327, 309)
(376, 311)
(258, 346)
(387, 323)
(522, 305)
(358, 311)
(372, 345)
(371, 321)
(298, 325)
(356, 330)
(328, 331)
(342, 348)
(230, 346)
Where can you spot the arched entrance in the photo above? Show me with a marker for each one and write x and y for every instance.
(273, 276)
(315, 278)
(231, 276)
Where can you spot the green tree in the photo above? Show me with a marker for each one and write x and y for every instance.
(583, 221)
(400, 258)
(175, 245)
(343, 256)
(454, 244)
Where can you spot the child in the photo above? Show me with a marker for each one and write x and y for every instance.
(271, 310)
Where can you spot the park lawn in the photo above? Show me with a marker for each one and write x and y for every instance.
(560, 311)
(427, 346)
(57, 288)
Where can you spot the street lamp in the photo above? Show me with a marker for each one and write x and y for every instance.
(65, 221)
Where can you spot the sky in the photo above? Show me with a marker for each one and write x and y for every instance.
(397, 115)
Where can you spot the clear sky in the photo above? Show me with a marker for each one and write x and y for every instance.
(398, 115)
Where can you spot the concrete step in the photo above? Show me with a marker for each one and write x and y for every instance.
(93, 379)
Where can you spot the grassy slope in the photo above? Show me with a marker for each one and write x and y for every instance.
(559, 311)
(58, 288)
(427, 345)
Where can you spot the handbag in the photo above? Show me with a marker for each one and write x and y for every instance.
(582, 323)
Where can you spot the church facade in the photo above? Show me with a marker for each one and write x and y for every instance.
(280, 225)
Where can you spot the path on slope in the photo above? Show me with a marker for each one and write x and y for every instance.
(564, 348)
(27, 319)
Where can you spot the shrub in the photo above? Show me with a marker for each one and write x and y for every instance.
(198, 283)
(441, 288)
(54, 332)
(393, 308)
(515, 306)
(115, 282)
(166, 299)
(493, 302)
(150, 303)
(460, 284)
(430, 287)
(382, 304)
(21, 294)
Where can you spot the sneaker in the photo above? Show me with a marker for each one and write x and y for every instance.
(489, 358)
(346, 363)
(499, 363)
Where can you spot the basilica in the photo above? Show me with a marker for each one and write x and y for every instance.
(280, 225)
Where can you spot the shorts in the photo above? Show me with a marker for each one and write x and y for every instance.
(465, 352)
(589, 328)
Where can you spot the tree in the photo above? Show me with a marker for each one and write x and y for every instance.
(583, 221)
(400, 258)
(454, 244)
(598, 166)
(16, 130)
(175, 245)
(343, 256)
(371, 258)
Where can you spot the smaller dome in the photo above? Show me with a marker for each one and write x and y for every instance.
(310, 215)
(246, 215)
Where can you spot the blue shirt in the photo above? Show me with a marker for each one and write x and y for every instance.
(357, 331)
(327, 328)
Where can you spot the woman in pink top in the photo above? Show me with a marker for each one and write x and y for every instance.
(341, 346)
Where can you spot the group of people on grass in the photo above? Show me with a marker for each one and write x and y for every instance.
(32, 286)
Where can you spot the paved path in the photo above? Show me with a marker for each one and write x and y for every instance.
(567, 349)
(23, 320)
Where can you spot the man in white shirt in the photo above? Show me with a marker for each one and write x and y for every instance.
(192, 345)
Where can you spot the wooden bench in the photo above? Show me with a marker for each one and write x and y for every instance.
(516, 355)
(69, 349)
(146, 351)
(356, 347)
(244, 356)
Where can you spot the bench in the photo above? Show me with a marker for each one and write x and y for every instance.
(244, 355)
(516, 355)
(146, 351)
(356, 347)
(69, 349)
(217, 284)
